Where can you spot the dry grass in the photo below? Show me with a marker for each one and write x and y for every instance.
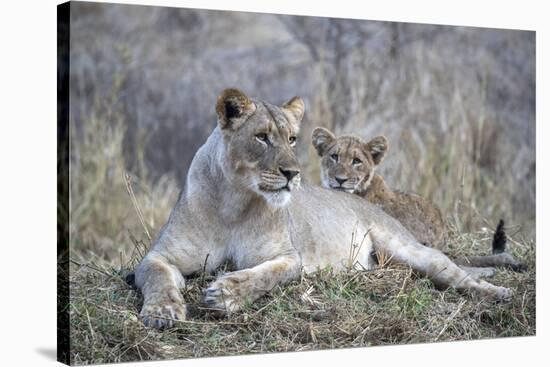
(451, 100)
(103, 218)
(457, 104)
(390, 305)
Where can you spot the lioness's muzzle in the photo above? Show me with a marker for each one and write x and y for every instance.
(289, 173)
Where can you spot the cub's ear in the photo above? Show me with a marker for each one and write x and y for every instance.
(233, 107)
(377, 147)
(322, 139)
(296, 107)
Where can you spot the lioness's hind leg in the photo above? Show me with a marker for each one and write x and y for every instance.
(160, 283)
(479, 272)
(437, 266)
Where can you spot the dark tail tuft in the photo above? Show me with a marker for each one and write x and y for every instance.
(131, 279)
(499, 239)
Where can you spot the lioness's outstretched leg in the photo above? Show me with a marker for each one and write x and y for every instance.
(436, 265)
(479, 272)
(160, 283)
(231, 290)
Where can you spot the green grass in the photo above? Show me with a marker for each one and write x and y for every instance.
(389, 305)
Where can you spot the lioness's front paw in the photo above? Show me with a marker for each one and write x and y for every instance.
(162, 312)
(226, 293)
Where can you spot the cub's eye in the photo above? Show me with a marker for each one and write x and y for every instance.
(356, 161)
(262, 138)
(334, 157)
(292, 140)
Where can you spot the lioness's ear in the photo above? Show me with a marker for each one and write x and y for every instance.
(322, 139)
(233, 107)
(296, 107)
(378, 147)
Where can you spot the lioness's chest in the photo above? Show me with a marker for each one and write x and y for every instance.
(252, 243)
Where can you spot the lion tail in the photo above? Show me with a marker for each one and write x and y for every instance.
(499, 239)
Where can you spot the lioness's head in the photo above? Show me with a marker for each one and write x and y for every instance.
(347, 162)
(259, 140)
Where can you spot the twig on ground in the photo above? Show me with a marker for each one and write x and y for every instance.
(448, 321)
(91, 267)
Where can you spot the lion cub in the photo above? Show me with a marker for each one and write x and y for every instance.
(349, 164)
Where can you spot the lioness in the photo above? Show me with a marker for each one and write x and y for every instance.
(349, 164)
(243, 202)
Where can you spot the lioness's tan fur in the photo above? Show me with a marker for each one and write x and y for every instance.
(244, 202)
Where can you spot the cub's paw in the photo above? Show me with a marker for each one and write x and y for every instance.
(163, 312)
(226, 294)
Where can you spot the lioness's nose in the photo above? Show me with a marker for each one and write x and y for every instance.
(340, 180)
(289, 174)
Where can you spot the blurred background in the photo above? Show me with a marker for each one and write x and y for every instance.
(456, 103)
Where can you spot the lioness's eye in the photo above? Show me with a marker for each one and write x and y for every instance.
(262, 137)
(334, 157)
(292, 140)
(356, 161)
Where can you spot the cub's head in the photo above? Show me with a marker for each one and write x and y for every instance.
(347, 162)
(259, 140)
